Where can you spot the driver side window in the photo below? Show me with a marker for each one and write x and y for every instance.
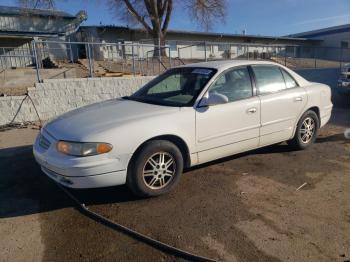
(235, 84)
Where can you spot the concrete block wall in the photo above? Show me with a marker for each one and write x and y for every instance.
(57, 96)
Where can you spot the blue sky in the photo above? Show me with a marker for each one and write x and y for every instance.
(259, 17)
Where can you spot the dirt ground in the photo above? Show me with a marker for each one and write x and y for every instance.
(242, 208)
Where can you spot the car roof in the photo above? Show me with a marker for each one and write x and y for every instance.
(224, 64)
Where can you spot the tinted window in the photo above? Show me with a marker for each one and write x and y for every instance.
(269, 79)
(290, 82)
(235, 84)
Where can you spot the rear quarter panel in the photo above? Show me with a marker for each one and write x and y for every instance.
(319, 95)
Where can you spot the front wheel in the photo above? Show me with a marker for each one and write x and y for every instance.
(306, 131)
(155, 169)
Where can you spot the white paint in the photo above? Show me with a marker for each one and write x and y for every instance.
(210, 133)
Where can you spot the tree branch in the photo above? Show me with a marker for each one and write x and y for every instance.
(168, 15)
(137, 16)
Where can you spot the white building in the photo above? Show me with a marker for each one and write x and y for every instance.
(334, 42)
(183, 44)
(19, 26)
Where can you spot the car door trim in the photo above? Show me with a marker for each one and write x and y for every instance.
(277, 121)
(215, 147)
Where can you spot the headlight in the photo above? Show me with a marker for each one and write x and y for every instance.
(83, 149)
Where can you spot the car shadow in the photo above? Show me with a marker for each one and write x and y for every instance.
(25, 189)
(272, 149)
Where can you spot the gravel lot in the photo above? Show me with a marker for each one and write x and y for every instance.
(242, 208)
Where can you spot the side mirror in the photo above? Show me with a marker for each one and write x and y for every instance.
(212, 99)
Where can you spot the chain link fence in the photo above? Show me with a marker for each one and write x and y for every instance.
(295, 57)
(59, 59)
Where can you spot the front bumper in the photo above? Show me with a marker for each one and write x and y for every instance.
(94, 181)
(79, 172)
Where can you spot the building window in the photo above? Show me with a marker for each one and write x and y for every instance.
(344, 44)
(173, 45)
(201, 48)
(222, 48)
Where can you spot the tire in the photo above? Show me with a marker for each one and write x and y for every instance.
(305, 136)
(155, 169)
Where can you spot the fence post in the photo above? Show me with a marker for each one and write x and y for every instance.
(169, 57)
(133, 59)
(89, 59)
(315, 49)
(70, 52)
(159, 56)
(285, 56)
(36, 61)
(341, 57)
(205, 51)
(4, 59)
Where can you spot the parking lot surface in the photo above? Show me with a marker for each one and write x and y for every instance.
(242, 208)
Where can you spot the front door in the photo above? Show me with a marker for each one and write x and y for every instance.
(233, 127)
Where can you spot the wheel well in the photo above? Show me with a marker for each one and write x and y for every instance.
(179, 142)
(317, 111)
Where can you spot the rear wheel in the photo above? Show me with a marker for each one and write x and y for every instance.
(155, 169)
(306, 131)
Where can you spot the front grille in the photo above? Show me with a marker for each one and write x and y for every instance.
(44, 142)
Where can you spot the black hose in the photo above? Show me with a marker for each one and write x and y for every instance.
(146, 239)
(36, 111)
(11, 124)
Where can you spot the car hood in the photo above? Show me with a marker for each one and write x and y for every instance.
(86, 121)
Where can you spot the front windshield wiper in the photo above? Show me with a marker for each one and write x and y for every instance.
(127, 97)
(132, 98)
(150, 101)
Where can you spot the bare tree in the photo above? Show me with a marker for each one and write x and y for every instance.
(154, 15)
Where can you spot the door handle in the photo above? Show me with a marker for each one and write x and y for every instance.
(251, 110)
(298, 99)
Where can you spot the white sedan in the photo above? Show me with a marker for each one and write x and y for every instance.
(187, 116)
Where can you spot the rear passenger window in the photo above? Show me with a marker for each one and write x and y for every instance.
(290, 82)
(269, 79)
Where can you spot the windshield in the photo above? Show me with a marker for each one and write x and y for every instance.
(176, 87)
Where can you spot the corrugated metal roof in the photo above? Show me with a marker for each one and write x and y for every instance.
(29, 34)
(18, 11)
(206, 33)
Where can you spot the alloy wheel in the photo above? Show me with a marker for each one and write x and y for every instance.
(307, 130)
(159, 170)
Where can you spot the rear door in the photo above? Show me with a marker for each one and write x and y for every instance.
(282, 101)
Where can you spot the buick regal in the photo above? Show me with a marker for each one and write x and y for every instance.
(187, 116)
